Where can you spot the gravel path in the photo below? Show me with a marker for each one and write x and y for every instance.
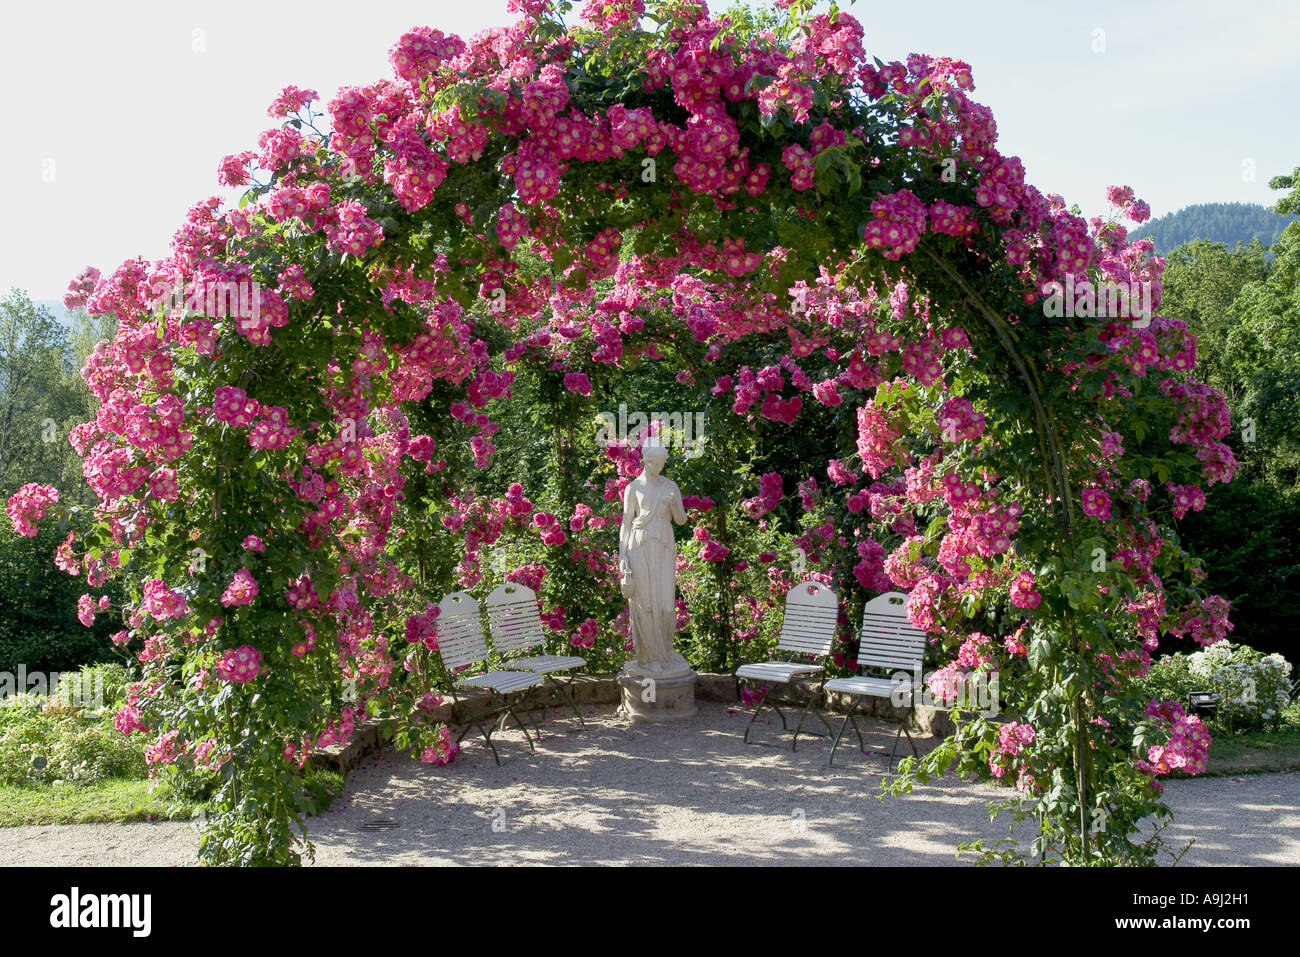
(685, 794)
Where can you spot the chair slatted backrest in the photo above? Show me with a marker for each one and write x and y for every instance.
(513, 618)
(460, 631)
(888, 639)
(811, 614)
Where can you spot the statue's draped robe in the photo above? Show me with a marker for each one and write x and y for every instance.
(652, 563)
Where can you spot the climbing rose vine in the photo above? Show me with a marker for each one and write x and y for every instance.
(299, 443)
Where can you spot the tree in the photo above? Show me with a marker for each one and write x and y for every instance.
(37, 395)
(1201, 281)
(41, 399)
(1262, 349)
(1240, 305)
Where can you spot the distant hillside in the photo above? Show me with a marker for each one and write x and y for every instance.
(1218, 222)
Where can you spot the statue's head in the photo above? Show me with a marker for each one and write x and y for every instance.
(654, 455)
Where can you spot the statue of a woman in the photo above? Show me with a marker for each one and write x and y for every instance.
(647, 561)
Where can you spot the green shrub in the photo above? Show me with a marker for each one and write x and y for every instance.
(48, 743)
(1171, 679)
(38, 608)
(95, 687)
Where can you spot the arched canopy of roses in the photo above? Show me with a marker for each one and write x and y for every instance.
(747, 198)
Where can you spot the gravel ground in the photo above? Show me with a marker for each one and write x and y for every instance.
(690, 793)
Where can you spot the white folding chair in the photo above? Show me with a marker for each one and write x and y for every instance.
(516, 627)
(887, 641)
(461, 644)
(811, 614)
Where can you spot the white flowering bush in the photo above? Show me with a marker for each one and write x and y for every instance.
(1253, 688)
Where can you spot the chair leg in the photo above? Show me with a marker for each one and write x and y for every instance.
(541, 704)
(472, 723)
(907, 719)
(464, 731)
(502, 710)
(522, 699)
(487, 737)
(839, 734)
(527, 737)
(849, 717)
(902, 730)
(820, 710)
(794, 745)
(754, 717)
(817, 711)
(776, 706)
(562, 687)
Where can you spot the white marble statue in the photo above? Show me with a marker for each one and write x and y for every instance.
(647, 562)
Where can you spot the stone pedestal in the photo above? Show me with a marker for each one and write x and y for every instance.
(649, 696)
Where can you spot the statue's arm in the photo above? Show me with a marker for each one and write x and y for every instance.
(625, 528)
(679, 510)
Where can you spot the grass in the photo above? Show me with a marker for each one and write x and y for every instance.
(1255, 752)
(112, 800)
(121, 801)
(93, 747)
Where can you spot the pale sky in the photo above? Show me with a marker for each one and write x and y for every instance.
(118, 113)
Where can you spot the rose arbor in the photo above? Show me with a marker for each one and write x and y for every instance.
(827, 253)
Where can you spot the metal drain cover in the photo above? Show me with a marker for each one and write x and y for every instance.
(380, 824)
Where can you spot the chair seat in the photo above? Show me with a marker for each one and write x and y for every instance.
(502, 682)
(545, 664)
(778, 671)
(875, 687)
